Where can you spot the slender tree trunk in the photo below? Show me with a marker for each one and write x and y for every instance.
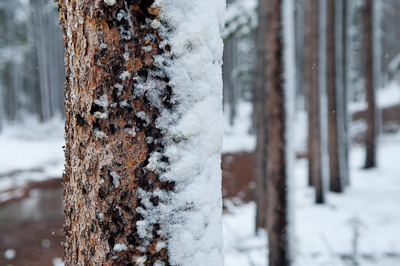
(311, 84)
(300, 94)
(143, 133)
(345, 68)
(275, 129)
(370, 137)
(336, 100)
(259, 97)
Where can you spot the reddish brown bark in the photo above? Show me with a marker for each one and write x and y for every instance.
(275, 121)
(311, 47)
(106, 149)
(260, 159)
(370, 160)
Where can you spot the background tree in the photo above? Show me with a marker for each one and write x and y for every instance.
(273, 84)
(311, 85)
(336, 98)
(143, 132)
(261, 157)
(370, 136)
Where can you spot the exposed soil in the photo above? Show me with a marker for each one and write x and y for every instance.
(32, 223)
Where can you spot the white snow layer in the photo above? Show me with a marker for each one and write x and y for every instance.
(110, 2)
(190, 216)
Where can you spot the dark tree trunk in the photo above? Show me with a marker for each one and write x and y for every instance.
(311, 85)
(336, 99)
(331, 87)
(345, 63)
(275, 129)
(369, 85)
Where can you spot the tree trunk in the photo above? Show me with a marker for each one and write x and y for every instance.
(336, 100)
(369, 86)
(260, 160)
(143, 132)
(345, 68)
(275, 129)
(311, 85)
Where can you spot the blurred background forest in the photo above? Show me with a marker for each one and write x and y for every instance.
(359, 226)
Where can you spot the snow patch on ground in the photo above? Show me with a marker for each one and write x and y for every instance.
(386, 97)
(237, 137)
(30, 152)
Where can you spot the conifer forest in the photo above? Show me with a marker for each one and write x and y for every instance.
(199, 132)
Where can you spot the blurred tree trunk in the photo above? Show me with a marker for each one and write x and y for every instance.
(345, 62)
(299, 33)
(336, 99)
(369, 85)
(274, 123)
(259, 101)
(311, 85)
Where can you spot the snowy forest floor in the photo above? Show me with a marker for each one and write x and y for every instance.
(359, 227)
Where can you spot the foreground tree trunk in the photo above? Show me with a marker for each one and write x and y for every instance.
(143, 132)
(370, 137)
(311, 85)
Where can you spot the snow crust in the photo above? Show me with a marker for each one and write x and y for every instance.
(110, 2)
(190, 216)
(120, 247)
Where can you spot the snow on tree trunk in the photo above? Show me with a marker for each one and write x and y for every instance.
(369, 85)
(143, 132)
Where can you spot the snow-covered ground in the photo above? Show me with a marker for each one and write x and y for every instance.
(359, 227)
(362, 225)
(32, 152)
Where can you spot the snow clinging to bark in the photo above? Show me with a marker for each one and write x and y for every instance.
(189, 216)
(110, 2)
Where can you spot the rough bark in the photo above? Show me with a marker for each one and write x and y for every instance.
(275, 121)
(106, 149)
(370, 136)
(311, 70)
